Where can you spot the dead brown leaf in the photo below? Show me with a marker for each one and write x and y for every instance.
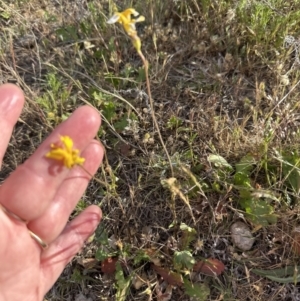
(163, 296)
(88, 263)
(108, 266)
(210, 267)
(169, 276)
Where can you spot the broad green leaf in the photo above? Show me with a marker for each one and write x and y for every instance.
(259, 193)
(283, 272)
(101, 235)
(101, 254)
(183, 260)
(291, 171)
(5, 15)
(288, 274)
(121, 124)
(245, 165)
(198, 291)
(67, 33)
(242, 179)
(122, 284)
(219, 161)
(259, 211)
(294, 279)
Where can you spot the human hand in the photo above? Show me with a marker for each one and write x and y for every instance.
(45, 200)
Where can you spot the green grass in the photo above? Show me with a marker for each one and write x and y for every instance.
(225, 82)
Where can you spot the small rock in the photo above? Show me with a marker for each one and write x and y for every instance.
(242, 236)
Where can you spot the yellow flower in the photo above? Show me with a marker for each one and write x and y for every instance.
(128, 24)
(65, 153)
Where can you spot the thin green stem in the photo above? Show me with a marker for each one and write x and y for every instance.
(145, 62)
(93, 177)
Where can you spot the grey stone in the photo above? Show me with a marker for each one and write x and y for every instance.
(242, 236)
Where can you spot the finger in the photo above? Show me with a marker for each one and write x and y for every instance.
(11, 104)
(31, 187)
(67, 245)
(51, 223)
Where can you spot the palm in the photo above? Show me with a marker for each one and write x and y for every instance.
(45, 198)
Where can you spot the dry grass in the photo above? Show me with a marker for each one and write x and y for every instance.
(222, 82)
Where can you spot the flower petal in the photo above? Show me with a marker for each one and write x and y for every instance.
(68, 142)
(134, 12)
(128, 12)
(139, 19)
(115, 18)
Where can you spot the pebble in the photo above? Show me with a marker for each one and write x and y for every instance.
(242, 236)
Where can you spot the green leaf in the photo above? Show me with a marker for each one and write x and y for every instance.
(109, 110)
(260, 193)
(288, 274)
(245, 165)
(188, 235)
(141, 75)
(259, 211)
(219, 161)
(122, 284)
(242, 179)
(112, 79)
(98, 97)
(81, 205)
(283, 272)
(5, 15)
(101, 254)
(67, 33)
(121, 124)
(291, 171)
(183, 260)
(174, 122)
(140, 255)
(76, 276)
(198, 291)
(101, 235)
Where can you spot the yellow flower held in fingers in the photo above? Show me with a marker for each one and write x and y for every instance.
(65, 153)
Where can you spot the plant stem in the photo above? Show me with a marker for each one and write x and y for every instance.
(145, 62)
(94, 178)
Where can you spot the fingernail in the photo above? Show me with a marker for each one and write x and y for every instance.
(10, 95)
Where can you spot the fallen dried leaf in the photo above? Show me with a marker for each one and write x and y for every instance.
(139, 280)
(124, 149)
(108, 266)
(169, 276)
(166, 296)
(88, 263)
(210, 267)
(153, 256)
